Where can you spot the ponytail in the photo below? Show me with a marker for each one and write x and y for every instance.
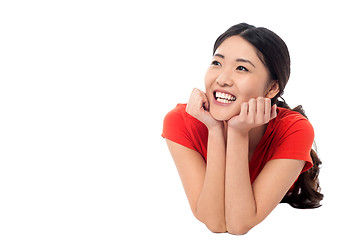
(306, 192)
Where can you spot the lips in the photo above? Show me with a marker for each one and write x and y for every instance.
(224, 97)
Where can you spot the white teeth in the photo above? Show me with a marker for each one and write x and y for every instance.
(224, 97)
(223, 100)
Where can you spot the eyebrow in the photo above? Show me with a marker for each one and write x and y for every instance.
(237, 60)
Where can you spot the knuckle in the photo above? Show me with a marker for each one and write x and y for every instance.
(260, 101)
(252, 100)
(195, 91)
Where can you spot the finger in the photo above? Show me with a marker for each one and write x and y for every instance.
(252, 108)
(267, 109)
(244, 111)
(193, 102)
(274, 111)
(193, 95)
(260, 107)
(202, 104)
(204, 99)
(197, 98)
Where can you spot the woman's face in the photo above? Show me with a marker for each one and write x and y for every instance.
(236, 74)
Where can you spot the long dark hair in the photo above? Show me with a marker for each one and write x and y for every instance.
(273, 52)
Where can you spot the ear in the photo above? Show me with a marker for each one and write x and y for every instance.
(272, 90)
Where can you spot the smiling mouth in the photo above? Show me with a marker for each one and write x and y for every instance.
(224, 97)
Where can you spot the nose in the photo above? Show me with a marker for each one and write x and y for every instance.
(224, 79)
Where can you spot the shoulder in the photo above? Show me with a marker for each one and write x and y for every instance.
(293, 135)
(177, 113)
(290, 121)
(182, 128)
(176, 117)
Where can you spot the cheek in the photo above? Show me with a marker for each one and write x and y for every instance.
(248, 90)
(208, 80)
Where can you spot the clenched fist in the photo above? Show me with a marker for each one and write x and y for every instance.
(198, 107)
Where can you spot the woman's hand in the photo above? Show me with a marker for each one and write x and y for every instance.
(198, 107)
(254, 113)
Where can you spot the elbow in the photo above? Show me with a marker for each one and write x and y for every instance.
(240, 225)
(217, 228)
(238, 229)
(215, 225)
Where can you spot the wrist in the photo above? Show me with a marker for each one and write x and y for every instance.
(216, 127)
(217, 131)
(238, 132)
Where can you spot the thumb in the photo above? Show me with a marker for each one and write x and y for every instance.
(205, 103)
(274, 111)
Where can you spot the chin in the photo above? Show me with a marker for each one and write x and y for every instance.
(222, 115)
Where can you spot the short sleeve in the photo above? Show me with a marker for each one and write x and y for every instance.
(296, 143)
(174, 129)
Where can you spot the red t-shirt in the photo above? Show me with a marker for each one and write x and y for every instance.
(288, 136)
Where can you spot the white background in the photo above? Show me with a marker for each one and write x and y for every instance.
(84, 88)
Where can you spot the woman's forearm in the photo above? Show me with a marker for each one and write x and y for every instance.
(240, 206)
(211, 205)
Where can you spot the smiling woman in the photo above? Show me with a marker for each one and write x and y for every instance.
(238, 150)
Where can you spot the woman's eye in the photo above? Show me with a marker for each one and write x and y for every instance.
(241, 68)
(216, 63)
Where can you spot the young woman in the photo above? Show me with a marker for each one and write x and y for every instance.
(239, 150)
